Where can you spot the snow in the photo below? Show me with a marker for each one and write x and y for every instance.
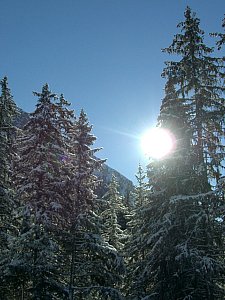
(199, 196)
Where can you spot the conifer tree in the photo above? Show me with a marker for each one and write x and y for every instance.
(196, 77)
(141, 187)
(132, 250)
(94, 265)
(113, 203)
(8, 111)
(177, 250)
(179, 253)
(38, 178)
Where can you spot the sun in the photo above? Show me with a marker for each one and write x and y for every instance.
(157, 142)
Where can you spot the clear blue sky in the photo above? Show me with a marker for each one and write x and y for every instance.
(104, 55)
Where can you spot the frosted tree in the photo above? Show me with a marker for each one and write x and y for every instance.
(132, 250)
(38, 178)
(8, 111)
(94, 265)
(197, 79)
(176, 252)
(65, 119)
(140, 195)
(113, 206)
(141, 187)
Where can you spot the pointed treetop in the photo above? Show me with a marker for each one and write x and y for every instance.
(5, 89)
(190, 16)
(83, 114)
(4, 81)
(45, 94)
(190, 40)
(8, 108)
(83, 121)
(188, 12)
(63, 101)
(140, 176)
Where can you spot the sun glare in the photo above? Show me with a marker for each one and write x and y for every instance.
(157, 142)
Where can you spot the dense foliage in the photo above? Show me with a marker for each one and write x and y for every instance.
(177, 249)
(59, 240)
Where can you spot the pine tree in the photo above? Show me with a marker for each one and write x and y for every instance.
(38, 178)
(182, 225)
(8, 111)
(94, 265)
(197, 79)
(113, 206)
(132, 250)
(141, 187)
(177, 250)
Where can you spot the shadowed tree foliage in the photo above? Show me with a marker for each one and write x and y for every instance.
(8, 111)
(179, 243)
(197, 79)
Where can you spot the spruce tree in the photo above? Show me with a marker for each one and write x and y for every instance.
(140, 193)
(8, 111)
(113, 206)
(94, 265)
(196, 77)
(179, 253)
(132, 250)
(177, 249)
(38, 176)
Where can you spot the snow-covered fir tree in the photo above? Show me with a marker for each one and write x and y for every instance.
(141, 188)
(93, 266)
(38, 178)
(177, 251)
(8, 111)
(178, 254)
(113, 206)
(134, 222)
(197, 79)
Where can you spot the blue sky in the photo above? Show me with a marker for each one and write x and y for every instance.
(104, 55)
